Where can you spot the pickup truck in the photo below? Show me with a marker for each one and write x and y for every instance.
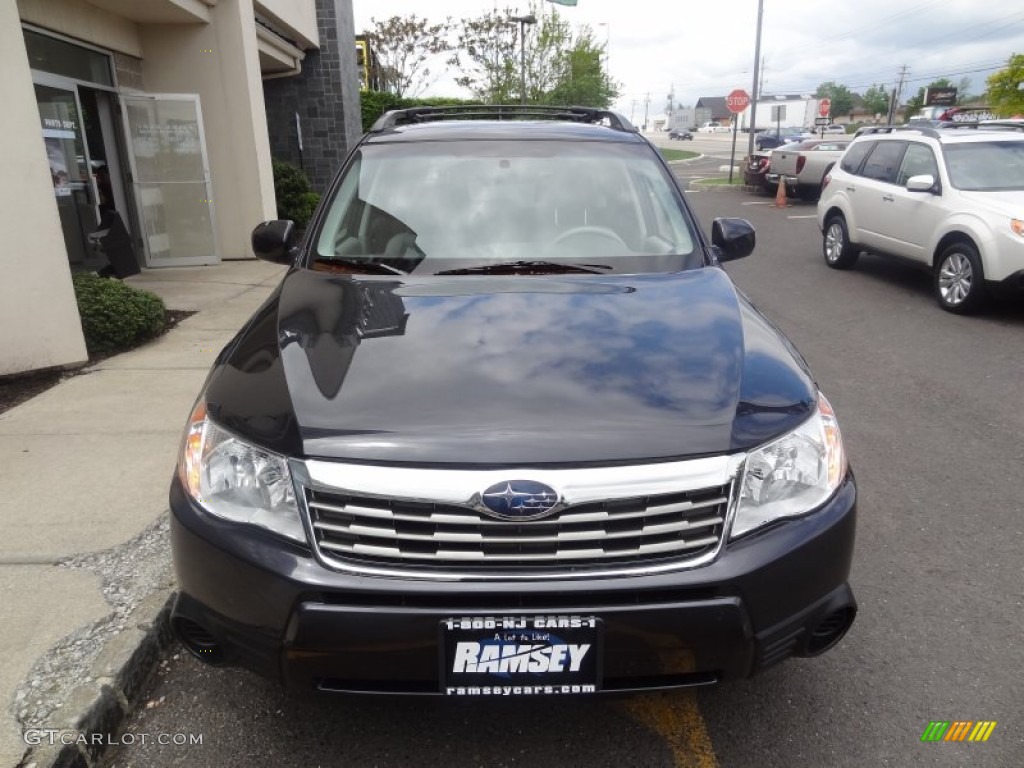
(804, 165)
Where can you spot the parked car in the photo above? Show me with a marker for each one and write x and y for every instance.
(834, 128)
(681, 134)
(803, 166)
(712, 127)
(506, 427)
(950, 200)
(771, 139)
(754, 170)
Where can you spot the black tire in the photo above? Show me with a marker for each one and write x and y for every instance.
(836, 247)
(959, 279)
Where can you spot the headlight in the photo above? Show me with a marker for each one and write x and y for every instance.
(236, 480)
(794, 474)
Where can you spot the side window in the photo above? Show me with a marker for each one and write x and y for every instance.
(855, 155)
(918, 160)
(884, 162)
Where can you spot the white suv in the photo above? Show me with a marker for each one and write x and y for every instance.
(952, 200)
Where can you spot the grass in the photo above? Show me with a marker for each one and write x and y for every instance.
(678, 154)
(722, 181)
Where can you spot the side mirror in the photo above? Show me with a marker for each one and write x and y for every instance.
(272, 241)
(923, 183)
(734, 238)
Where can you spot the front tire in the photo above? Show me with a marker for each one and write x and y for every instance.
(959, 280)
(837, 249)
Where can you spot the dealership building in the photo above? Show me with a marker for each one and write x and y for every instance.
(156, 119)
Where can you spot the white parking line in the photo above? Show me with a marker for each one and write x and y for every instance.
(761, 202)
(811, 216)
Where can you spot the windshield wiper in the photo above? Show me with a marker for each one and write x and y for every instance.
(375, 267)
(519, 267)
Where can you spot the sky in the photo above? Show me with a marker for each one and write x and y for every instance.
(706, 48)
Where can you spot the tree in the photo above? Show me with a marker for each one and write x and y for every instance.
(876, 100)
(484, 53)
(916, 102)
(963, 91)
(563, 66)
(840, 96)
(406, 47)
(1005, 95)
(583, 80)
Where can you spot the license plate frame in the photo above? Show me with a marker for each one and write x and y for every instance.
(518, 655)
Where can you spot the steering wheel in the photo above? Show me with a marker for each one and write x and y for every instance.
(586, 231)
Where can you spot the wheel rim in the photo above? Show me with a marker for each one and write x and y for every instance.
(833, 242)
(955, 279)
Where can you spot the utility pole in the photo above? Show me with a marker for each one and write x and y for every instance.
(757, 71)
(894, 102)
(632, 113)
(647, 103)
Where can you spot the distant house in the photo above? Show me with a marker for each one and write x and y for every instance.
(711, 109)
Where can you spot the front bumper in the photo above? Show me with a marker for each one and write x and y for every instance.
(250, 599)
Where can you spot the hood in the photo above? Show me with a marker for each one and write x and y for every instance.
(509, 370)
(1009, 202)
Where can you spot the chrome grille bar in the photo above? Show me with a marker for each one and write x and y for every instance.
(479, 556)
(473, 519)
(586, 535)
(430, 523)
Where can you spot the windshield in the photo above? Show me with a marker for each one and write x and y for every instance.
(427, 207)
(989, 166)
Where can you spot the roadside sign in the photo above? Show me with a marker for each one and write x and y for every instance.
(939, 97)
(737, 100)
(824, 107)
(822, 120)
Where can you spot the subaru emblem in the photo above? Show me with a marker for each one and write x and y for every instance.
(519, 499)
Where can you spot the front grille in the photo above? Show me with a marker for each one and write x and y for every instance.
(389, 531)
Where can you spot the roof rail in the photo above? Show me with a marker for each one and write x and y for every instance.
(411, 115)
(926, 130)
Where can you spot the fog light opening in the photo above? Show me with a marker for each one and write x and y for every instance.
(198, 641)
(829, 631)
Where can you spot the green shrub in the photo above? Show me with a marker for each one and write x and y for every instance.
(116, 316)
(296, 200)
(373, 104)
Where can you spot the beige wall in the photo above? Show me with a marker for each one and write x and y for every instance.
(295, 16)
(80, 20)
(228, 82)
(39, 325)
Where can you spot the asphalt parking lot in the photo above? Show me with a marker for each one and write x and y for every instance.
(929, 406)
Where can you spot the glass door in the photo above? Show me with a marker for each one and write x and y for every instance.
(171, 178)
(73, 186)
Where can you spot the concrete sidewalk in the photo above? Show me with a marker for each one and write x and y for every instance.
(84, 562)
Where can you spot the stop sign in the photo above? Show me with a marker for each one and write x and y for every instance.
(737, 100)
(824, 107)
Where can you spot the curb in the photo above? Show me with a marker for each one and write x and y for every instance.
(95, 712)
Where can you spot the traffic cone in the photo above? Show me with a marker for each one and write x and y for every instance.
(780, 196)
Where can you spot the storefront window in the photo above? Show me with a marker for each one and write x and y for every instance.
(48, 54)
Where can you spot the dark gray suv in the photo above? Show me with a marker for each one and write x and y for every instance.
(507, 428)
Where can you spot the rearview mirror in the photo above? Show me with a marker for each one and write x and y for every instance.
(733, 237)
(272, 241)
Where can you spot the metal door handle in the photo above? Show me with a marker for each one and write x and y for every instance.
(887, 198)
(851, 189)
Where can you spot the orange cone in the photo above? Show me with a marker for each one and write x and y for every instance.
(780, 196)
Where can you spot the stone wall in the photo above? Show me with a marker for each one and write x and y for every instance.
(325, 96)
